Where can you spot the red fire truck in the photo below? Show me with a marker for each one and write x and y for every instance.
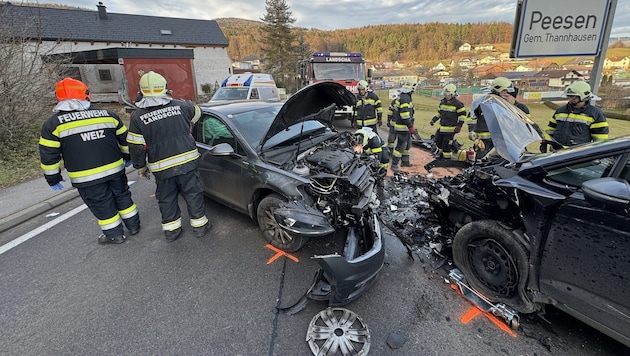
(341, 67)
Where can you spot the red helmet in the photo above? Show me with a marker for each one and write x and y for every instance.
(69, 88)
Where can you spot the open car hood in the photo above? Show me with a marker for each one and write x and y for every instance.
(511, 130)
(312, 102)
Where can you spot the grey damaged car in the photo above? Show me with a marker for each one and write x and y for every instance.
(530, 229)
(285, 166)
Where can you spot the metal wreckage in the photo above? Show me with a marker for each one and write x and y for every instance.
(519, 230)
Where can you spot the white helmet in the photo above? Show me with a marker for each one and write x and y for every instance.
(579, 88)
(500, 84)
(153, 84)
(449, 89)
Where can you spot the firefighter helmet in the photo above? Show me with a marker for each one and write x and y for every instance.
(500, 84)
(364, 133)
(579, 88)
(153, 84)
(362, 85)
(449, 89)
(69, 88)
(407, 88)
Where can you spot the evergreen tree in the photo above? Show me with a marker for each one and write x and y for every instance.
(278, 42)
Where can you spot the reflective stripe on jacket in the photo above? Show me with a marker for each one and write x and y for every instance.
(162, 136)
(92, 144)
(574, 126)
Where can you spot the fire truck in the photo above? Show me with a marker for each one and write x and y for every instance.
(346, 68)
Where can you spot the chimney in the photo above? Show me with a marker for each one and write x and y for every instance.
(102, 11)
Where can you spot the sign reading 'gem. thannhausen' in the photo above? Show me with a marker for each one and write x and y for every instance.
(559, 27)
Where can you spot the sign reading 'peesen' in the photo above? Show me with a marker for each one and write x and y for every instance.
(559, 27)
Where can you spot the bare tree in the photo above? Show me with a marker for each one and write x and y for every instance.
(26, 78)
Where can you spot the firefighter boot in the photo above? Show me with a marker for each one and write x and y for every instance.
(405, 161)
(394, 165)
(104, 240)
(201, 231)
(172, 235)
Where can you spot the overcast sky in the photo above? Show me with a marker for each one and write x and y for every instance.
(340, 14)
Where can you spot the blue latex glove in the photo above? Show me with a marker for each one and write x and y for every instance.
(128, 163)
(57, 186)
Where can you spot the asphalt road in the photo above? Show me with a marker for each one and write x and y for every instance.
(63, 294)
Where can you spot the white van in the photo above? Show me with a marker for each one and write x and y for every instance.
(247, 86)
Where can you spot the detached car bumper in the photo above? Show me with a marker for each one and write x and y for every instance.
(343, 278)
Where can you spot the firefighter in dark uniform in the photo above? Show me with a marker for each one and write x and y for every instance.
(451, 114)
(160, 133)
(477, 128)
(578, 121)
(368, 110)
(373, 145)
(402, 116)
(511, 98)
(92, 144)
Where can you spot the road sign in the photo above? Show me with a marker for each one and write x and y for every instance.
(546, 28)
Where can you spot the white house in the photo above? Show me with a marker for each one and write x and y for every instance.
(137, 43)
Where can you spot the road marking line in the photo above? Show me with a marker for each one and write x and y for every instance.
(6, 247)
(279, 253)
(16, 242)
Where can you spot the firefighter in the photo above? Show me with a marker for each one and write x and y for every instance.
(477, 128)
(451, 114)
(402, 115)
(511, 98)
(578, 121)
(160, 134)
(373, 145)
(368, 110)
(91, 142)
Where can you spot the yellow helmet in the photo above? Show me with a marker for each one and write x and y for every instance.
(449, 89)
(363, 84)
(500, 84)
(152, 84)
(579, 88)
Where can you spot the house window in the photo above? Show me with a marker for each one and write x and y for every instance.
(166, 32)
(105, 75)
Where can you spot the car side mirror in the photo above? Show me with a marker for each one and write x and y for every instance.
(222, 149)
(608, 193)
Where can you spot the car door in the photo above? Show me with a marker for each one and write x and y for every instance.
(585, 262)
(222, 175)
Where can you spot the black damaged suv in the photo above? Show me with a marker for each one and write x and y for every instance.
(545, 228)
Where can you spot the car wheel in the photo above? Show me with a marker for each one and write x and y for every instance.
(271, 230)
(493, 261)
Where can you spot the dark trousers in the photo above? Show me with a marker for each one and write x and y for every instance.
(444, 141)
(110, 202)
(401, 151)
(189, 185)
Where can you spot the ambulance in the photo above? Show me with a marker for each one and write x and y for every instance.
(247, 86)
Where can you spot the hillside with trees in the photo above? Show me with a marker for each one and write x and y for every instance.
(379, 43)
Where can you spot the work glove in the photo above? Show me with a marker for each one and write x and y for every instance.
(144, 173)
(389, 123)
(127, 163)
(412, 130)
(472, 136)
(478, 145)
(458, 128)
(380, 122)
(543, 147)
(433, 121)
(57, 186)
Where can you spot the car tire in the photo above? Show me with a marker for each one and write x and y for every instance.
(270, 228)
(493, 261)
